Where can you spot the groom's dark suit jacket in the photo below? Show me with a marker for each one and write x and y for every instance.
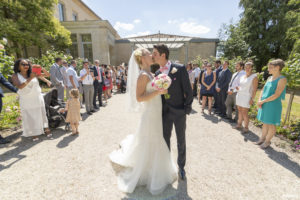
(180, 91)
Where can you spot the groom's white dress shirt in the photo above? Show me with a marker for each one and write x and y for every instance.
(168, 65)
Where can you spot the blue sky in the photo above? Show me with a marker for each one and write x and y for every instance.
(197, 18)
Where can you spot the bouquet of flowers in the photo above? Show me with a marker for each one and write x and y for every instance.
(162, 82)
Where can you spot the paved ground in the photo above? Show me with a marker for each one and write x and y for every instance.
(221, 163)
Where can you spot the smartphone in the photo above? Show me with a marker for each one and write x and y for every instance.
(37, 69)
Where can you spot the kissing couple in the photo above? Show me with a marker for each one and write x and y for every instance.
(146, 154)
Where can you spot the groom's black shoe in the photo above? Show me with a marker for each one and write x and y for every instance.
(181, 174)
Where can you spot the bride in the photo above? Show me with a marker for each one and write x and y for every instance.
(145, 155)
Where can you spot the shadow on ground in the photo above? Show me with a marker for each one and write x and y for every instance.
(24, 144)
(170, 193)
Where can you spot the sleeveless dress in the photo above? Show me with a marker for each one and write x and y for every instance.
(244, 93)
(73, 115)
(145, 154)
(270, 112)
(32, 105)
(208, 79)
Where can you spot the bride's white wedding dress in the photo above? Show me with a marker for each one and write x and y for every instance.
(145, 154)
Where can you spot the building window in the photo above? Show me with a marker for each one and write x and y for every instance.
(61, 12)
(87, 47)
(73, 49)
(74, 16)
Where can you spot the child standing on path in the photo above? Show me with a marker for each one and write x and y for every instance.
(73, 108)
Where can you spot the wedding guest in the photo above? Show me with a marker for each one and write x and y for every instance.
(63, 71)
(197, 72)
(98, 84)
(222, 85)
(207, 91)
(269, 102)
(32, 105)
(246, 91)
(232, 91)
(73, 78)
(218, 68)
(73, 108)
(56, 78)
(88, 78)
(9, 86)
(191, 73)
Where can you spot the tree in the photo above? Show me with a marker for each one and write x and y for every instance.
(264, 27)
(31, 23)
(232, 42)
(292, 73)
(293, 18)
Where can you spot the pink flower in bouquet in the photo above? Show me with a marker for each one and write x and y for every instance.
(161, 82)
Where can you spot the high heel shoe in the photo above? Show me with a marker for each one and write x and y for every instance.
(265, 145)
(259, 142)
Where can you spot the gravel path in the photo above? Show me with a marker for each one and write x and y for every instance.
(221, 163)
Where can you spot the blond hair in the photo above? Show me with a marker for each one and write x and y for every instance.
(277, 62)
(74, 93)
(249, 63)
(138, 53)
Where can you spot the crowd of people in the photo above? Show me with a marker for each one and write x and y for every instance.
(218, 89)
(237, 91)
(92, 84)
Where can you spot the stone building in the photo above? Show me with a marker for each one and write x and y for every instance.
(95, 38)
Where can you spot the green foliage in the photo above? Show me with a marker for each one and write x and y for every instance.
(293, 19)
(292, 71)
(6, 64)
(31, 23)
(232, 42)
(47, 59)
(10, 116)
(264, 26)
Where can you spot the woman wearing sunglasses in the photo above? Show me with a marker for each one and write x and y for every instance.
(32, 105)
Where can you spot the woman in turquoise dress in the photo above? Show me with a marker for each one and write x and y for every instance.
(269, 102)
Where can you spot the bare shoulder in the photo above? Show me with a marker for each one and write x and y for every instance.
(143, 77)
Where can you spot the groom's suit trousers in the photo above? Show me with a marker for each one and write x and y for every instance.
(179, 122)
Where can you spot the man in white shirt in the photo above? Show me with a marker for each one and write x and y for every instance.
(88, 78)
(197, 72)
(231, 97)
(72, 80)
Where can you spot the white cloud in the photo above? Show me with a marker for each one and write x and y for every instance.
(138, 34)
(193, 28)
(175, 21)
(119, 25)
(136, 21)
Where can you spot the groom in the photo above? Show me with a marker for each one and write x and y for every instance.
(177, 104)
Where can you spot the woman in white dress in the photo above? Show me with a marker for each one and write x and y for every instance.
(245, 96)
(32, 105)
(145, 154)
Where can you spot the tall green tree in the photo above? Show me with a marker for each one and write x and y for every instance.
(293, 19)
(264, 25)
(31, 23)
(232, 42)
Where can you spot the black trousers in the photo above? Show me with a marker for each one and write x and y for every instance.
(195, 87)
(221, 98)
(180, 127)
(97, 93)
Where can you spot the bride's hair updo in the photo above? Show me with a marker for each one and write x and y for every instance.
(138, 53)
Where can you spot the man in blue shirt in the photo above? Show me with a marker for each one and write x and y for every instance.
(8, 85)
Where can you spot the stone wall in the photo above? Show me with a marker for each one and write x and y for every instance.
(78, 7)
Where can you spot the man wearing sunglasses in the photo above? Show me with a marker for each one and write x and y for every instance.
(8, 85)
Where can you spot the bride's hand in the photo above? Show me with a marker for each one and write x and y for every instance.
(162, 92)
